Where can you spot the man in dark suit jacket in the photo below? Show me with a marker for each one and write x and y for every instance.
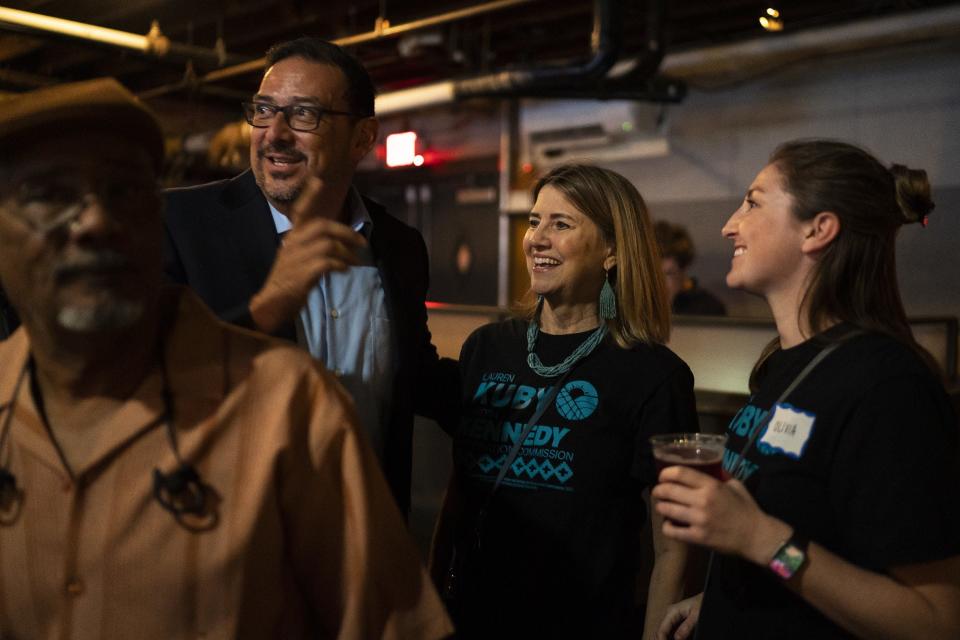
(312, 122)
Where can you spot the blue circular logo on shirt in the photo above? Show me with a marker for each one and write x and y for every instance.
(577, 400)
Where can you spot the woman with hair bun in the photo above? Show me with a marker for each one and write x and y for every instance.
(841, 520)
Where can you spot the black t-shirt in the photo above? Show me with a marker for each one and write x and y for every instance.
(560, 541)
(860, 458)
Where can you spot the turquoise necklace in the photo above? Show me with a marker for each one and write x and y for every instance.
(581, 352)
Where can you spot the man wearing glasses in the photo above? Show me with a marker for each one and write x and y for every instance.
(291, 248)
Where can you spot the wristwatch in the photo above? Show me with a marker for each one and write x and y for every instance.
(791, 555)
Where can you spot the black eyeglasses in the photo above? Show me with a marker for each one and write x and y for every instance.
(300, 117)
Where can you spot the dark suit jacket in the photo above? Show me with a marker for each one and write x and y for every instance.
(8, 317)
(221, 241)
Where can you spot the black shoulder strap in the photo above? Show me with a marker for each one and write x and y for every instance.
(738, 467)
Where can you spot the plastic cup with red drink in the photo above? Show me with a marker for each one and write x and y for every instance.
(700, 451)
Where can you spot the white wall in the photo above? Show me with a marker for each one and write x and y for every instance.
(903, 105)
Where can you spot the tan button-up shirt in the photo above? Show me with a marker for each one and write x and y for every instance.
(307, 544)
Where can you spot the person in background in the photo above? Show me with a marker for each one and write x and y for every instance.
(676, 256)
(164, 474)
(841, 520)
(555, 551)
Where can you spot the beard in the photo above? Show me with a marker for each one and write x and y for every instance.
(108, 315)
(102, 308)
(285, 194)
(281, 190)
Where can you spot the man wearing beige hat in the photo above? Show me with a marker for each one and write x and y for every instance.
(162, 474)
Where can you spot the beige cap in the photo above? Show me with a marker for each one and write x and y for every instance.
(103, 102)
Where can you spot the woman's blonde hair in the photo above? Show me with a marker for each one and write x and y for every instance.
(618, 210)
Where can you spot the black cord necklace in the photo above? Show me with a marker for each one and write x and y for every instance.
(182, 492)
(11, 496)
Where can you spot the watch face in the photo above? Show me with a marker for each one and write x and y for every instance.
(787, 561)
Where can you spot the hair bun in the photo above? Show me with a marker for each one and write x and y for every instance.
(913, 193)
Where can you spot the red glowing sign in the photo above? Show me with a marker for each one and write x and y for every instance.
(402, 150)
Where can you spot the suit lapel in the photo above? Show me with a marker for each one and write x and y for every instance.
(246, 227)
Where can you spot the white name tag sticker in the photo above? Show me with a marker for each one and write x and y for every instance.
(788, 430)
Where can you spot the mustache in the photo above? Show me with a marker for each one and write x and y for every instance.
(283, 148)
(90, 262)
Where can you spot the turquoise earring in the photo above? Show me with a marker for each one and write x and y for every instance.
(608, 300)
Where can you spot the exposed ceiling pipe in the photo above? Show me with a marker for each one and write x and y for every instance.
(428, 95)
(597, 78)
(605, 43)
(382, 29)
(154, 43)
(647, 64)
(443, 93)
(564, 81)
(743, 58)
(636, 78)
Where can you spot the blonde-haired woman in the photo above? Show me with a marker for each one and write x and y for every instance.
(553, 550)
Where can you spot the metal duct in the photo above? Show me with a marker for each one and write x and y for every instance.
(592, 80)
(730, 62)
(605, 45)
(599, 78)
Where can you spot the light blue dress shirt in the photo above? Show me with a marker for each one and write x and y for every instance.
(346, 326)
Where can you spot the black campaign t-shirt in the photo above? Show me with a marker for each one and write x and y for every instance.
(560, 540)
(860, 458)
